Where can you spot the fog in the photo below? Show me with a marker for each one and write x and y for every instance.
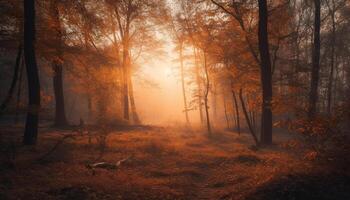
(158, 92)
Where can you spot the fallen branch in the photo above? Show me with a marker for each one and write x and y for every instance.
(106, 165)
(250, 126)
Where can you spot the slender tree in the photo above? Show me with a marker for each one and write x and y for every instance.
(313, 98)
(225, 109)
(237, 111)
(207, 88)
(183, 80)
(199, 85)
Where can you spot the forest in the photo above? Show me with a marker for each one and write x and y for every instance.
(174, 99)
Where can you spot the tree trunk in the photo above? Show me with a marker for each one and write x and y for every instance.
(183, 83)
(19, 90)
(89, 106)
(249, 123)
(199, 85)
(237, 111)
(31, 127)
(214, 93)
(266, 79)
(313, 98)
(206, 94)
(135, 116)
(60, 113)
(14, 79)
(225, 110)
(331, 75)
(125, 82)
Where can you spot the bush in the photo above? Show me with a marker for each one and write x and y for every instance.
(327, 137)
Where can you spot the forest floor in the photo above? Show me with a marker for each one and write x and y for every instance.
(161, 163)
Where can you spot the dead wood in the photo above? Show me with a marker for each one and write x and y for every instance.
(106, 165)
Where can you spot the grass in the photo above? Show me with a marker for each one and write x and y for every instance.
(165, 163)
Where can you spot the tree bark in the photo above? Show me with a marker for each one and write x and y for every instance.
(313, 98)
(266, 79)
(31, 127)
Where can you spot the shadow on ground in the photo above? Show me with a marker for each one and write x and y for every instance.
(305, 187)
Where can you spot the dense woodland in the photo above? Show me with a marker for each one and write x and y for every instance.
(265, 89)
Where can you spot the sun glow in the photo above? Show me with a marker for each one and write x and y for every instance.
(160, 102)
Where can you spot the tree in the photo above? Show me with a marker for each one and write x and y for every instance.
(266, 76)
(130, 16)
(188, 23)
(14, 80)
(179, 38)
(31, 127)
(313, 98)
(60, 113)
(248, 119)
(206, 93)
(183, 80)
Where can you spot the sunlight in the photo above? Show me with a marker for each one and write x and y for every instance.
(162, 102)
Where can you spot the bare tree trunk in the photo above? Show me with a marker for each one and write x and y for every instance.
(207, 93)
(313, 98)
(183, 82)
(266, 79)
(250, 126)
(14, 79)
(31, 127)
